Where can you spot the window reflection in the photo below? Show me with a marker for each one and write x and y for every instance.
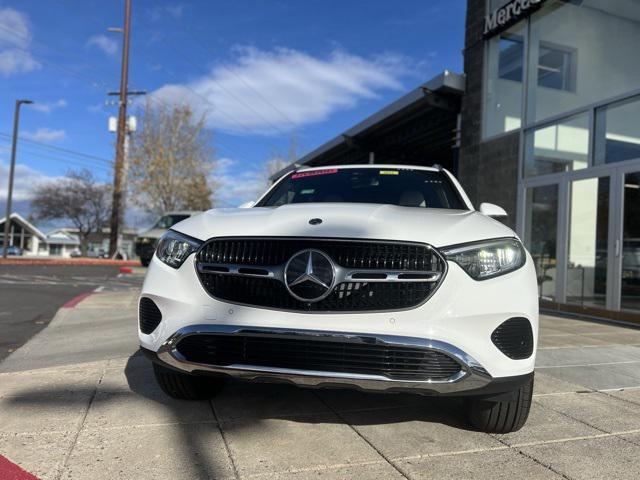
(503, 86)
(581, 52)
(560, 147)
(541, 222)
(588, 242)
(630, 299)
(618, 132)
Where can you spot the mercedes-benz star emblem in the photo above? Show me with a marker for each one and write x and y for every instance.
(309, 275)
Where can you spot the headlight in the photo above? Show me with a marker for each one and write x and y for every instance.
(174, 248)
(488, 259)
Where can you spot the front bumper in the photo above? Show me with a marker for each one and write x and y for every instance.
(472, 379)
(460, 317)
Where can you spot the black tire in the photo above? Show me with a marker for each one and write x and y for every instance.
(502, 416)
(184, 386)
(145, 261)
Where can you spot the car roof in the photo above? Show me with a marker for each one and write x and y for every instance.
(434, 168)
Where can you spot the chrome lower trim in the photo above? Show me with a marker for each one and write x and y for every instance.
(342, 275)
(471, 376)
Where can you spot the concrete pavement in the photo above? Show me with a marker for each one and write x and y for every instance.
(78, 402)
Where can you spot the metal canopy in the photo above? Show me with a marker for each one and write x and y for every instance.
(419, 128)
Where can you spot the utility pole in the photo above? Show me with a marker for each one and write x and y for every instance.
(14, 147)
(116, 202)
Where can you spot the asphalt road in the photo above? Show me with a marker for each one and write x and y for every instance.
(30, 295)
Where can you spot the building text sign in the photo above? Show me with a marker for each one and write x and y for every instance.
(510, 13)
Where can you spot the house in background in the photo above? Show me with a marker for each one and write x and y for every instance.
(24, 234)
(62, 243)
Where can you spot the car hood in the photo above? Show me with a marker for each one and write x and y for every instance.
(438, 227)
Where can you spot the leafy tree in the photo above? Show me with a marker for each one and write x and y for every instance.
(78, 198)
(171, 161)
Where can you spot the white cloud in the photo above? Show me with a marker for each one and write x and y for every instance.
(108, 45)
(96, 107)
(25, 179)
(174, 10)
(45, 135)
(235, 188)
(295, 88)
(48, 107)
(15, 40)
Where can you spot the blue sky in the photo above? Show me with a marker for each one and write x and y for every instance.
(261, 71)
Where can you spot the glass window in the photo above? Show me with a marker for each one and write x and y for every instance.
(588, 242)
(630, 299)
(581, 53)
(560, 147)
(510, 59)
(555, 68)
(393, 186)
(541, 233)
(503, 86)
(617, 134)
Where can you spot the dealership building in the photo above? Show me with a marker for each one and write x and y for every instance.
(545, 122)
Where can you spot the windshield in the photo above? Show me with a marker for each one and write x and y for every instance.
(169, 221)
(403, 187)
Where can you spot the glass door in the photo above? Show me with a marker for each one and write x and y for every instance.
(587, 242)
(628, 244)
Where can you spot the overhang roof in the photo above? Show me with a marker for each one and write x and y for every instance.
(439, 96)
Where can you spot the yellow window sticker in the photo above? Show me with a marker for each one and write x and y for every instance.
(389, 172)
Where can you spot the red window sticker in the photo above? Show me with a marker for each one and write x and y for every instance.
(313, 173)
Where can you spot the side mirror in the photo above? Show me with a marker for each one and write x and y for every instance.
(247, 204)
(491, 210)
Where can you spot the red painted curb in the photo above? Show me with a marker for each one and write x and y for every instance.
(11, 471)
(76, 300)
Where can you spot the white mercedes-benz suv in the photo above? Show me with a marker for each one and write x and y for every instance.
(383, 278)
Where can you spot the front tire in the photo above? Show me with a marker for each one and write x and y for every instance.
(502, 416)
(184, 386)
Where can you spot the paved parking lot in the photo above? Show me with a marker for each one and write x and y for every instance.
(77, 402)
(31, 295)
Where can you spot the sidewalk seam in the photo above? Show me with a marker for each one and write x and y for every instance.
(81, 426)
(236, 474)
(378, 451)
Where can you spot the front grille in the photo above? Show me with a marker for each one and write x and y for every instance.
(394, 362)
(514, 338)
(349, 254)
(345, 297)
(149, 315)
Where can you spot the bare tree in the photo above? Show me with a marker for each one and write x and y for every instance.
(171, 161)
(78, 198)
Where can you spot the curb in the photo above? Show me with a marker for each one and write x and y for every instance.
(9, 470)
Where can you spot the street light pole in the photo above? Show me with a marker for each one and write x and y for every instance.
(14, 147)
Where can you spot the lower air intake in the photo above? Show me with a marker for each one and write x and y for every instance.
(149, 315)
(514, 338)
(395, 362)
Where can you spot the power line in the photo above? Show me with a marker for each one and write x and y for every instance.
(243, 80)
(41, 156)
(152, 98)
(60, 149)
(230, 94)
(94, 83)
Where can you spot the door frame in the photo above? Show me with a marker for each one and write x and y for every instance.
(616, 173)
